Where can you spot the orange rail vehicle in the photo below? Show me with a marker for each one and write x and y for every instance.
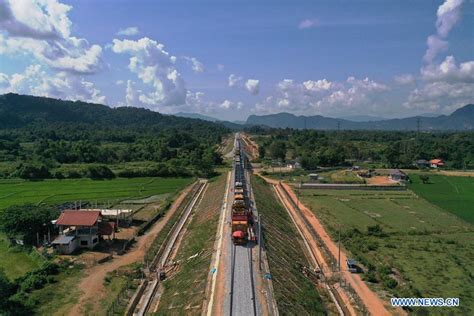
(242, 216)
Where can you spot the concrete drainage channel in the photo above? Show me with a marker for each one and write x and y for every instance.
(147, 291)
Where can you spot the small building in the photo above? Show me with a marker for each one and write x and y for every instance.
(422, 163)
(436, 163)
(398, 175)
(313, 177)
(80, 229)
(65, 244)
(293, 165)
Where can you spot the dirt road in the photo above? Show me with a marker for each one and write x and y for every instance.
(372, 302)
(92, 286)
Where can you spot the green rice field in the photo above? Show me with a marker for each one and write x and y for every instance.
(16, 191)
(454, 194)
(426, 250)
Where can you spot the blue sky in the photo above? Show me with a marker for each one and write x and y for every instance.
(230, 59)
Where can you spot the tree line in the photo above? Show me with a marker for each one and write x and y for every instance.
(392, 149)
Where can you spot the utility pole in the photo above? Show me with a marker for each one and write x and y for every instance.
(339, 248)
(418, 125)
(338, 126)
(260, 241)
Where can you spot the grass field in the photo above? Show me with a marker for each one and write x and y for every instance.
(16, 261)
(58, 297)
(299, 175)
(454, 194)
(294, 293)
(426, 250)
(186, 290)
(15, 191)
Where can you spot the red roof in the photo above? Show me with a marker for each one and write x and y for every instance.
(78, 218)
(437, 161)
(238, 234)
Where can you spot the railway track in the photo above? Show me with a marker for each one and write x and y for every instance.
(150, 295)
(242, 292)
(236, 305)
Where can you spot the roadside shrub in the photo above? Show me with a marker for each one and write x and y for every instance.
(33, 282)
(389, 282)
(37, 279)
(370, 277)
(100, 172)
(376, 230)
(385, 270)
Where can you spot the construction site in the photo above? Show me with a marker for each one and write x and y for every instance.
(257, 264)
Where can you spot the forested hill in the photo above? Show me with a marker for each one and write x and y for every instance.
(461, 119)
(44, 138)
(17, 111)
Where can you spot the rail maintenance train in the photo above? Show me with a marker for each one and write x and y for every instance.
(242, 215)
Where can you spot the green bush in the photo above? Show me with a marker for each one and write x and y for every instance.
(32, 171)
(390, 283)
(100, 172)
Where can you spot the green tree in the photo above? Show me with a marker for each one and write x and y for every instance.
(277, 150)
(6, 290)
(100, 172)
(26, 221)
(32, 171)
(424, 178)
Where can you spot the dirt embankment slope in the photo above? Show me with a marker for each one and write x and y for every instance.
(374, 304)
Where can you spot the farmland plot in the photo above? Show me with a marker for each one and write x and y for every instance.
(418, 249)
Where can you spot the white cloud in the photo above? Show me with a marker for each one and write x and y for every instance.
(441, 96)
(129, 31)
(131, 95)
(197, 66)
(253, 86)
(435, 46)
(36, 81)
(448, 15)
(404, 79)
(220, 67)
(318, 85)
(307, 23)
(449, 71)
(42, 28)
(234, 80)
(445, 86)
(227, 104)
(156, 68)
(119, 82)
(324, 96)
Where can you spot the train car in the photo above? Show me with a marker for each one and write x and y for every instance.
(240, 232)
(242, 215)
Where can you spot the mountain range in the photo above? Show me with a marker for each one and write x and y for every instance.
(23, 110)
(461, 119)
